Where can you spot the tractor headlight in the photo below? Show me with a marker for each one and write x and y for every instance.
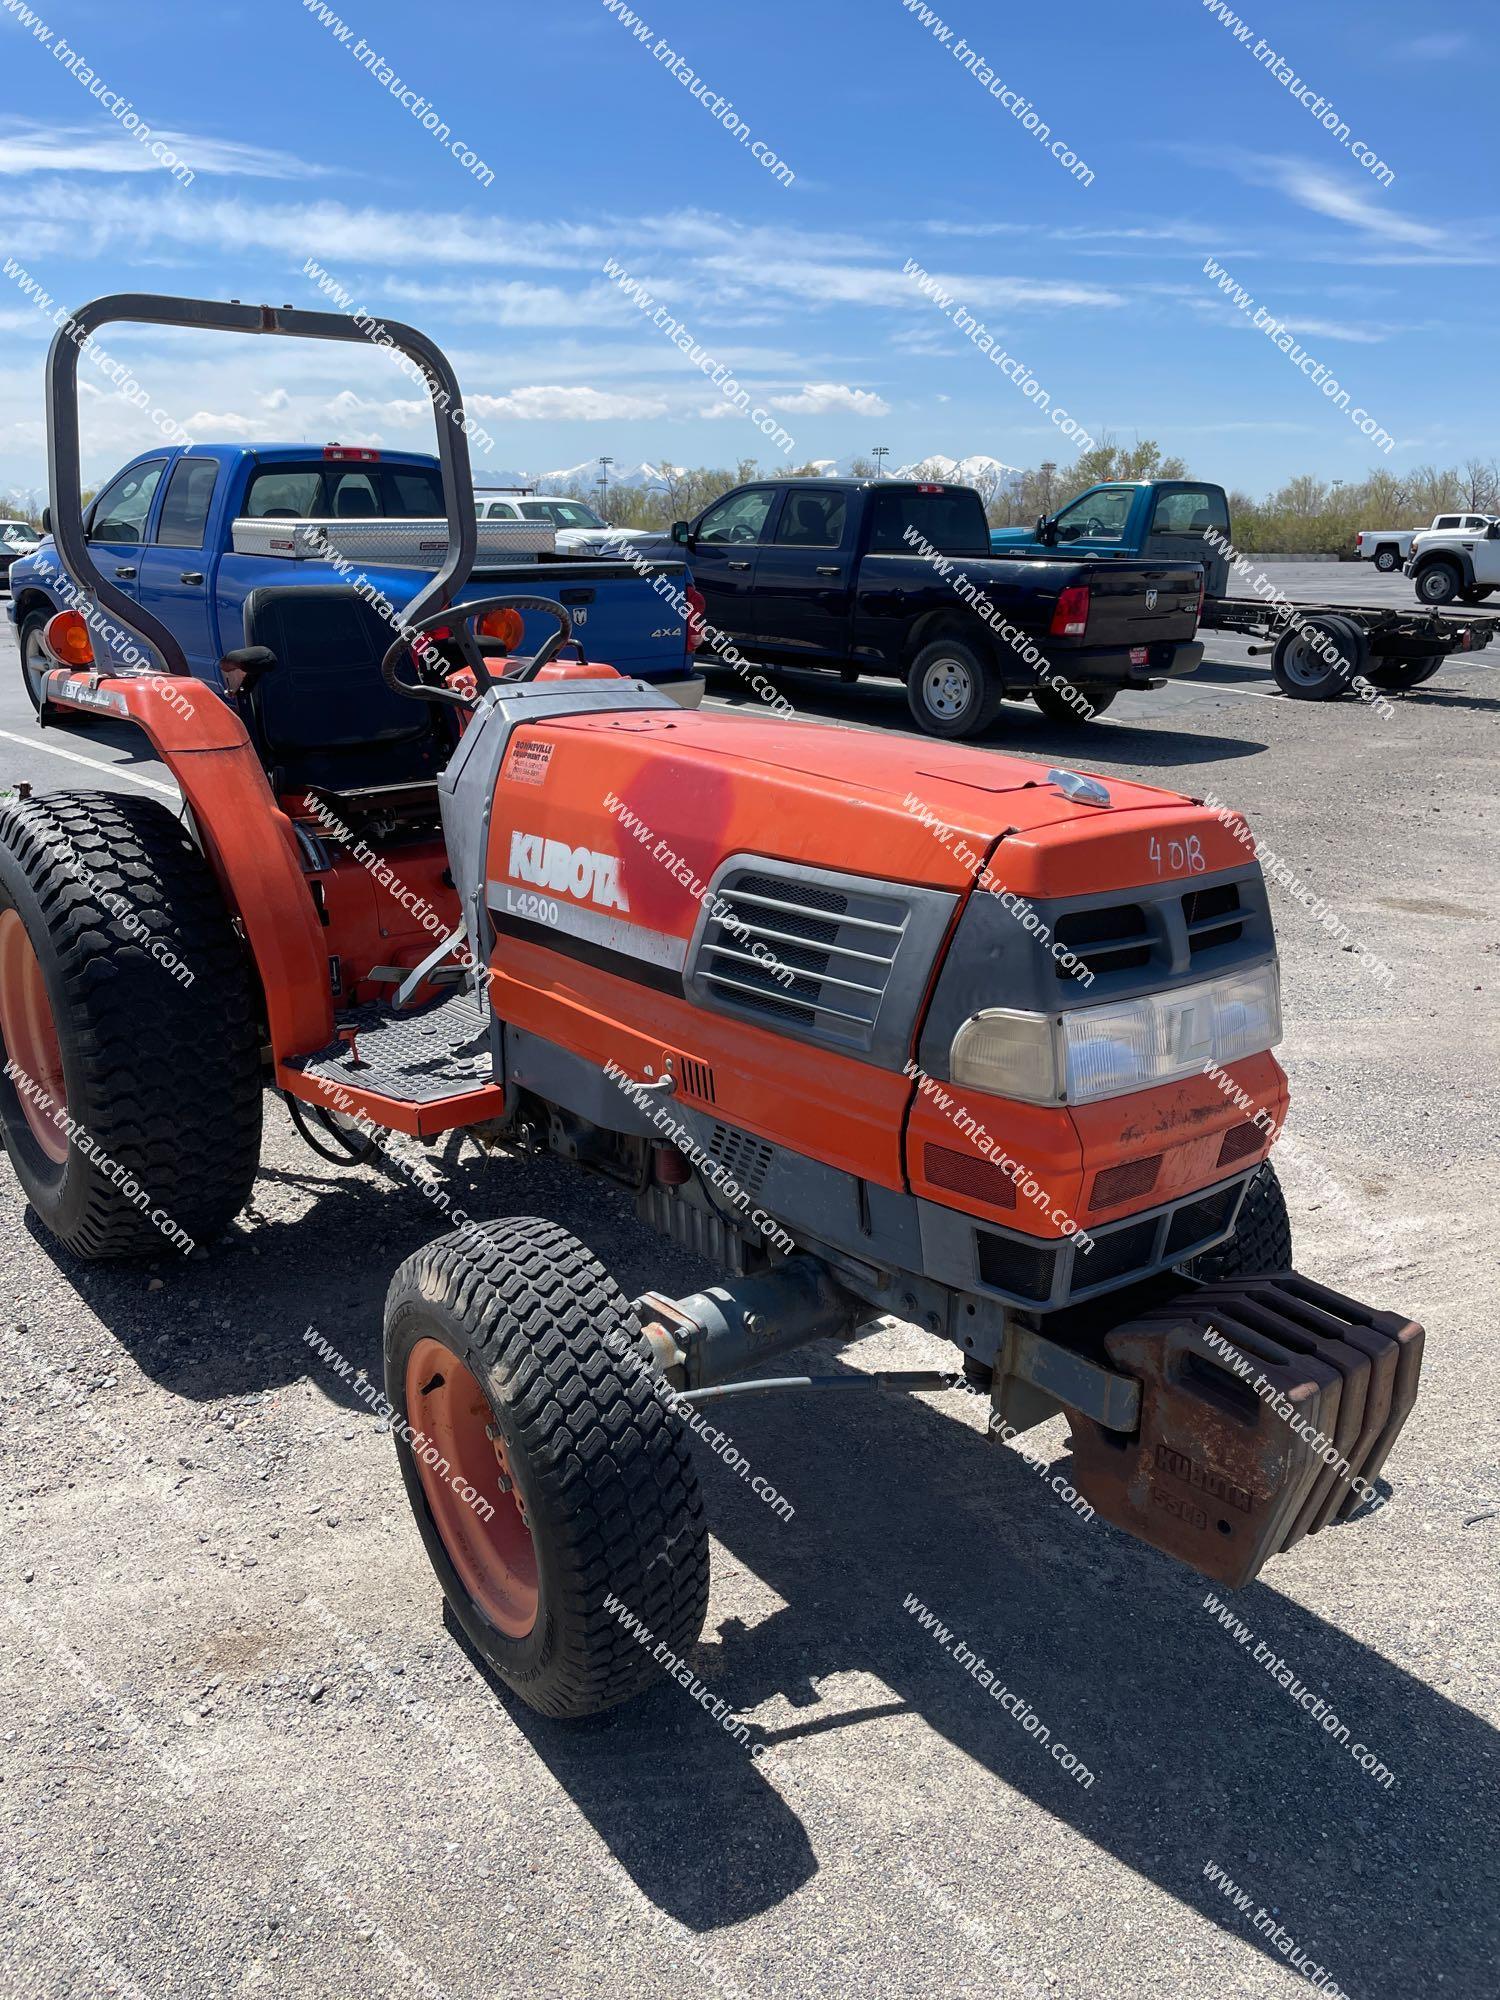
(1124, 1045)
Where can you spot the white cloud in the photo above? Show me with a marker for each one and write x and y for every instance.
(535, 403)
(549, 402)
(1432, 48)
(331, 230)
(27, 147)
(820, 397)
(1313, 188)
(229, 425)
(884, 285)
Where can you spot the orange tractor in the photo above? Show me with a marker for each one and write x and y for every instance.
(877, 1027)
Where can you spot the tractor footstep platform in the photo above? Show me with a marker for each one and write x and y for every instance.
(421, 1058)
(1262, 1401)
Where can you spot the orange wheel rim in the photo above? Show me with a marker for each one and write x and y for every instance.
(459, 1452)
(30, 1035)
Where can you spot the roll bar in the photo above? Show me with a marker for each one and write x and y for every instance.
(155, 309)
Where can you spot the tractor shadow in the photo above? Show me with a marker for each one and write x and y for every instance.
(1198, 1754)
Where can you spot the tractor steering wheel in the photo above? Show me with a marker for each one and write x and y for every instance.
(459, 619)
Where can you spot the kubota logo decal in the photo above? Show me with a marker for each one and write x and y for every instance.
(567, 871)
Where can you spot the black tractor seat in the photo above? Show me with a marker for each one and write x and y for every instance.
(322, 717)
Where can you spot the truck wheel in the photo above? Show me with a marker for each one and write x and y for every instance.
(951, 690)
(553, 1491)
(131, 1099)
(35, 659)
(1068, 705)
(1405, 673)
(1386, 559)
(1439, 583)
(1321, 661)
(1262, 1240)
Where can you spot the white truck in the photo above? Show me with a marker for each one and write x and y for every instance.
(1388, 548)
(1461, 564)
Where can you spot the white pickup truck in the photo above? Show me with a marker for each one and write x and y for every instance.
(1387, 548)
(1460, 564)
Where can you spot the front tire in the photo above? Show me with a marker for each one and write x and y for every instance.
(130, 1028)
(511, 1356)
(1439, 583)
(1069, 706)
(952, 690)
(1262, 1241)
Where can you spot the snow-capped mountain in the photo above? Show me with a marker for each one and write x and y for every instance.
(642, 476)
(978, 469)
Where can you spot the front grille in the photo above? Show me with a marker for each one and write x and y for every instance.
(1213, 916)
(1114, 938)
(1119, 1252)
(1122, 937)
(1200, 1220)
(814, 956)
(1022, 1269)
(1125, 1182)
(967, 1174)
(1053, 1274)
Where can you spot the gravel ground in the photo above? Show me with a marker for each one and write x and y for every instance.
(243, 1753)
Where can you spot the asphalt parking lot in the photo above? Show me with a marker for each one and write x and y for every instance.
(243, 1745)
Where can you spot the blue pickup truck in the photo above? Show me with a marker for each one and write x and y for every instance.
(165, 530)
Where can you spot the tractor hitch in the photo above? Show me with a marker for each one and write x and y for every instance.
(1267, 1406)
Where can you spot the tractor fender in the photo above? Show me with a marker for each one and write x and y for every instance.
(247, 839)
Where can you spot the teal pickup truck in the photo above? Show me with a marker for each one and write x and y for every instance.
(1318, 651)
(1165, 519)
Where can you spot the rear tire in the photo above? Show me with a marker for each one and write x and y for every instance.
(952, 690)
(512, 1353)
(1397, 674)
(150, 1075)
(1386, 560)
(1069, 706)
(1262, 1241)
(1320, 661)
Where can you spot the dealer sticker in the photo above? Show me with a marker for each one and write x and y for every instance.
(527, 763)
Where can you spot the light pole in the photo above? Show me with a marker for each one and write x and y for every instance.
(604, 465)
(880, 454)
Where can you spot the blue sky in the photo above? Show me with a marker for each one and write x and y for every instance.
(899, 153)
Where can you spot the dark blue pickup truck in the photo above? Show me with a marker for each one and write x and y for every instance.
(896, 577)
(189, 533)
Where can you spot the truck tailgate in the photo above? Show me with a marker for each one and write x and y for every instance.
(1140, 603)
(618, 616)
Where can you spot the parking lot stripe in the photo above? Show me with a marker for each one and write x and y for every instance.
(94, 763)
